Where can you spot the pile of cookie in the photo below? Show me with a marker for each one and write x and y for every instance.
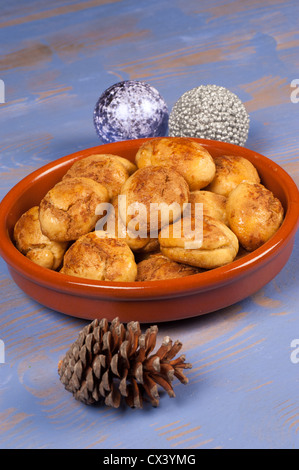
(68, 233)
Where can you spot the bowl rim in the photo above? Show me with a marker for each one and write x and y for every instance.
(138, 290)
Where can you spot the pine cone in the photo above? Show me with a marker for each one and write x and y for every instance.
(108, 363)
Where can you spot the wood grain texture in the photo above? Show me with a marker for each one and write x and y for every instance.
(71, 7)
(56, 60)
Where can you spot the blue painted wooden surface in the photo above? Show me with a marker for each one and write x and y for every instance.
(56, 59)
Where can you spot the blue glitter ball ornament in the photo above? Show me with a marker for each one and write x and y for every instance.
(130, 110)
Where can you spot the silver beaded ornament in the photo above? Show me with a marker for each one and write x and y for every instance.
(210, 112)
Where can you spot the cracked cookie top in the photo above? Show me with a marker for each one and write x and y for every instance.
(101, 257)
(182, 154)
(109, 170)
(156, 185)
(68, 210)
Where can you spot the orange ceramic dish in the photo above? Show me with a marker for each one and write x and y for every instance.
(154, 301)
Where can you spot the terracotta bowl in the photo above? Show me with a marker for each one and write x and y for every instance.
(155, 301)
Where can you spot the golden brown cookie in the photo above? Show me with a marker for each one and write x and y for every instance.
(230, 171)
(100, 257)
(151, 247)
(148, 193)
(219, 244)
(34, 244)
(142, 255)
(254, 214)
(69, 209)
(115, 226)
(129, 166)
(107, 169)
(213, 205)
(184, 155)
(158, 267)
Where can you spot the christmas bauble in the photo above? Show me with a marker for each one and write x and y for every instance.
(210, 112)
(130, 110)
